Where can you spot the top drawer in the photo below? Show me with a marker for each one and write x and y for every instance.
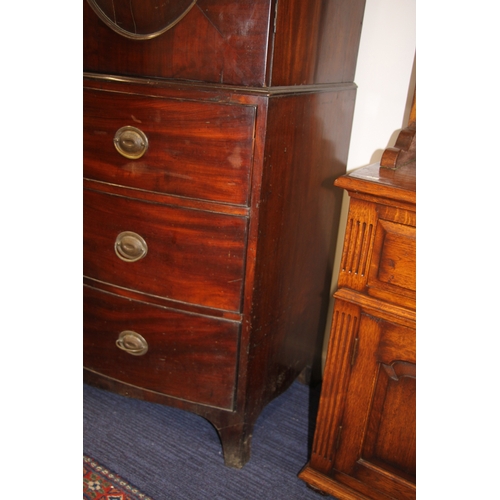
(393, 261)
(196, 149)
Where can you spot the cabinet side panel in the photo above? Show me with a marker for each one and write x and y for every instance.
(316, 41)
(308, 138)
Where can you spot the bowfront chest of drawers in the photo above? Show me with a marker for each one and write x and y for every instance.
(212, 136)
(365, 438)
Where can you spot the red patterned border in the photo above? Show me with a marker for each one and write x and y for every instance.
(100, 483)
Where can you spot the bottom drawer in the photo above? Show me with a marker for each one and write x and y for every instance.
(188, 356)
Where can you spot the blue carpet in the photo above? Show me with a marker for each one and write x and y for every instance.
(172, 454)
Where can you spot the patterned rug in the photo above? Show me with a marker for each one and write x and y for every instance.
(100, 483)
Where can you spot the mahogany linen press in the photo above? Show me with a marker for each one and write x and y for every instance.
(213, 133)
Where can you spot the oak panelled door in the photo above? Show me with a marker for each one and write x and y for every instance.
(372, 442)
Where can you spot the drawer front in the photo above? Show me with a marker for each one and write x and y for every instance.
(379, 256)
(188, 356)
(190, 255)
(196, 149)
(393, 265)
(397, 257)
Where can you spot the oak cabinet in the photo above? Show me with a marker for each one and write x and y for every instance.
(365, 437)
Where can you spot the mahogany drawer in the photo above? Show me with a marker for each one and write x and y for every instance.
(191, 255)
(196, 149)
(189, 356)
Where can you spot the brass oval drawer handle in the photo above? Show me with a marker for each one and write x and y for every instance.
(130, 246)
(131, 142)
(132, 342)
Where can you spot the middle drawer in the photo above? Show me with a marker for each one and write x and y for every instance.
(185, 255)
